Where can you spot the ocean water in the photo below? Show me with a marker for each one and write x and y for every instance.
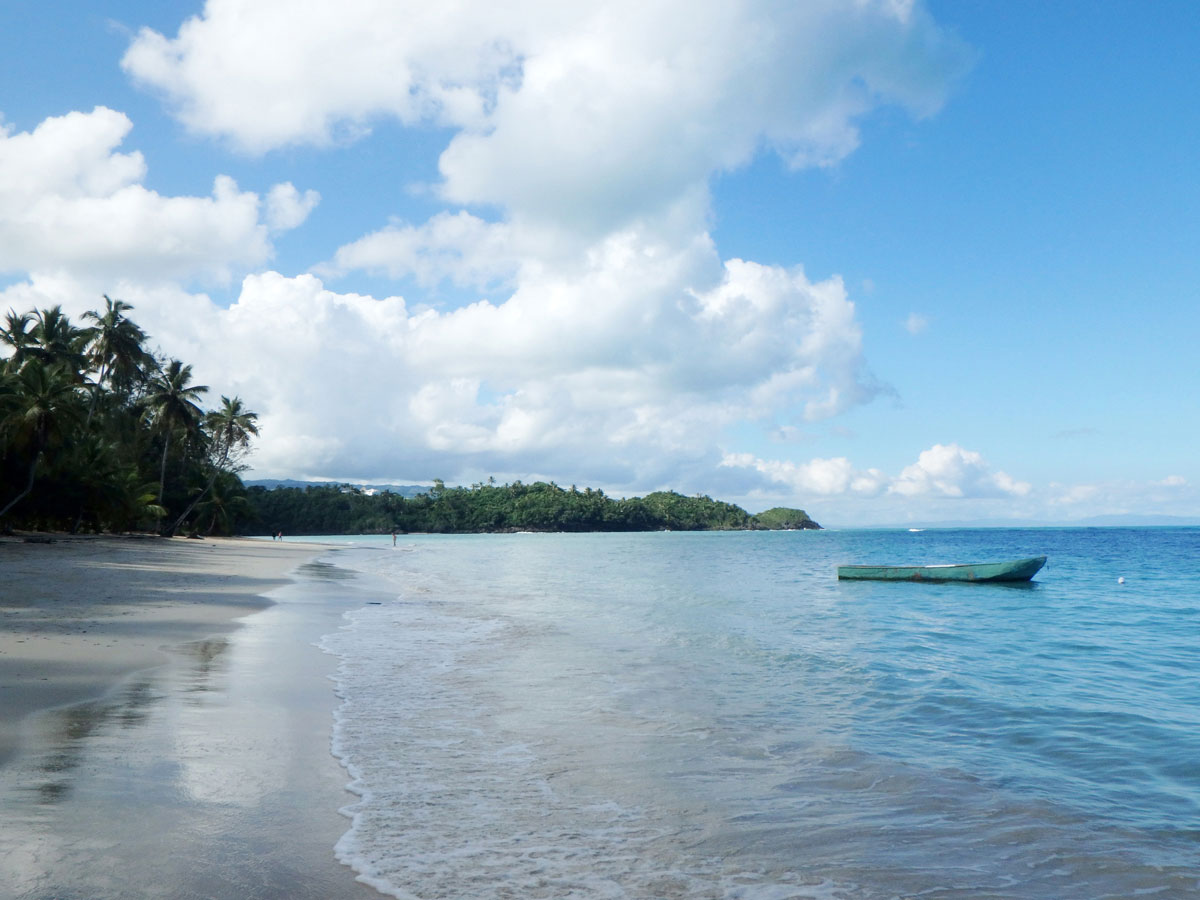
(716, 716)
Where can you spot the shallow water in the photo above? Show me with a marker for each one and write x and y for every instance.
(715, 715)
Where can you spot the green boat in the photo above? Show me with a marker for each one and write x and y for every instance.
(1014, 570)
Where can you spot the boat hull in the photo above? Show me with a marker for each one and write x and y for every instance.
(1013, 570)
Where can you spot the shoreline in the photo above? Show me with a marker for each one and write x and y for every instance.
(79, 613)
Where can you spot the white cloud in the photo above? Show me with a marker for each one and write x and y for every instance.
(616, 359)
(824, 477)
(915, 323)
(70, 202)
(287, 208)
(581, 114)
(268, 73)
(943, 471)
(947, 470)
(456, 246)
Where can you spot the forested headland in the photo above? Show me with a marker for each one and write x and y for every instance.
(481, 508)
(98, 433)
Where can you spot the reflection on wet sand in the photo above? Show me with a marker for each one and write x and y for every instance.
(66, 731)
(207, 658)
(209, 776)
(325, 571)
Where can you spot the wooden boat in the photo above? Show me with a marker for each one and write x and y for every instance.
(1014, 570)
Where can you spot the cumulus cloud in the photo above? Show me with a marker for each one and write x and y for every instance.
(580, 113)
(947, 470)
(266, 73)
(943, 471)
(458, 247)
(287, 208)
(823, 477)
(70, 201)
(621, 365)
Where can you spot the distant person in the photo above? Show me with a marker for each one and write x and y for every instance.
(393, 539)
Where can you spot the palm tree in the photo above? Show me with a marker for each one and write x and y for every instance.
(226, 503)
(56, 342)
(171, 403)
(229, 430)
(134, 503)
(115, 349)
(15, 335)
(9, 400)
(39, 413)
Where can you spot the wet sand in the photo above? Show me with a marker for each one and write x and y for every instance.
(164, 726)
(79, 614)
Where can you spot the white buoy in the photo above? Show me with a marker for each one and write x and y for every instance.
(1121, 580)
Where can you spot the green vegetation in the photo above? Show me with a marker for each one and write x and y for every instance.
(99, 434)
(782, 518)
(339, 509)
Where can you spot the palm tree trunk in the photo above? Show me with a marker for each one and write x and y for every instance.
(162, 478)
(187, 512)
(162, 473)
(95, 396)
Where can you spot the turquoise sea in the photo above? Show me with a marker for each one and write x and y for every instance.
(714, 715)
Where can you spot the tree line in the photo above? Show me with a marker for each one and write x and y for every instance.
(98, 433)
(480, 508)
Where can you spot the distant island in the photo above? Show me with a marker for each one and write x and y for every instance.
(495, 508)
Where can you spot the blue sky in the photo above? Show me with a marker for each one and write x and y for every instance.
(888, 262)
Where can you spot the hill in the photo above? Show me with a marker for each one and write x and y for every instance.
(541, 506)
(784, 518)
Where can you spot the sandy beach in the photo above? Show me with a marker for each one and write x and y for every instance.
(165, 725)
(78, 614)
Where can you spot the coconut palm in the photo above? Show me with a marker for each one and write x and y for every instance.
(116, 349)
(56, 342)
(229, 430)
(134, 503)
(40, 412)
(171, 402)
(15, 335)
(226, 503)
